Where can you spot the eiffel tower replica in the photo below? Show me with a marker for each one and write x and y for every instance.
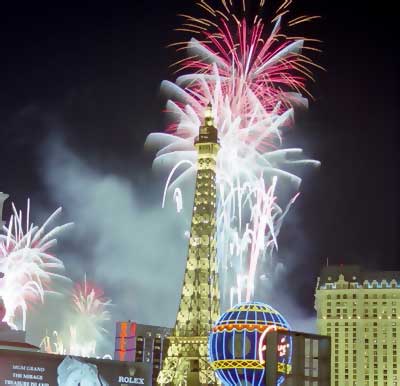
(186, 362)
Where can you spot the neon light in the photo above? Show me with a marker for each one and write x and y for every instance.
(282, 347)
(122, 342)
(262, 344)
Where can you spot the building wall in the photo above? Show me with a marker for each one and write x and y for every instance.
(141, 343)
(362, 317)
(309, 362)
(151, 346)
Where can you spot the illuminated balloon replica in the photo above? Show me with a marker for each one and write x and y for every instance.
(237, 344)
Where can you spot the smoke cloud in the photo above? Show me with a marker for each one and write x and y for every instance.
(131, 247)
(126, 243)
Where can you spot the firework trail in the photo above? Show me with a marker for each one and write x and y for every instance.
(28, 267)
(90, 312)
(53, 344)
(253, 76)
(85, 320)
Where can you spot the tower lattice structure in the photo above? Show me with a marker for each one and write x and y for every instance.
(186, 362)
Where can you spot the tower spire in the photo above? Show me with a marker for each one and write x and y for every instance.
(186, 361)
(208, 116)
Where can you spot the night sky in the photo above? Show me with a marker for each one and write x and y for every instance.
(91, 75)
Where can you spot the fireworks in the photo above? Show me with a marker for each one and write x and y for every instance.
(253, 76)
(53, 345)
(89, 311)
(29, 269)
(245, 60)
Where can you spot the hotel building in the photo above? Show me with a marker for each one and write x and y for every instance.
(360, 311)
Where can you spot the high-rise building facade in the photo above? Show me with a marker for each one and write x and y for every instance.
(186, 361)
(360, 311)
(141, 343)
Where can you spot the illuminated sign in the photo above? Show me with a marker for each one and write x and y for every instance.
(20, 368)
(135, 381)
(283, 347)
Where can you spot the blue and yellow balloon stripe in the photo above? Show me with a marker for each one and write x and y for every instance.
(226, 364)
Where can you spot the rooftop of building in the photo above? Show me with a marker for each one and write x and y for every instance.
(6, 345)
(142, 329)
(355, 273)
